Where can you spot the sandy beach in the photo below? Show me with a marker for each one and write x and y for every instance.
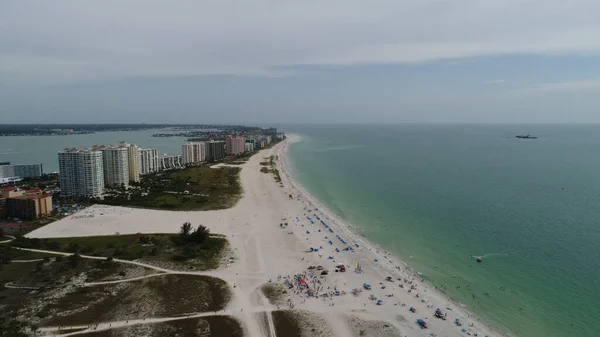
(267, 251)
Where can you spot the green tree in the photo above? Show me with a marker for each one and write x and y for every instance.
(184, 232)
(200, 234)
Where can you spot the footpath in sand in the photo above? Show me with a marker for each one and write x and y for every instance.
(266, 251)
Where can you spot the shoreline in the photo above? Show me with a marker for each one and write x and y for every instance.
(354, 234)
(264, 250)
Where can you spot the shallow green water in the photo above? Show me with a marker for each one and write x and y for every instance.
(442, 193)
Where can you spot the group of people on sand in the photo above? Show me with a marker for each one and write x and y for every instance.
(311, 284)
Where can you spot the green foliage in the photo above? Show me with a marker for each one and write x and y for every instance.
(11, 327)
(185, 231)
(192, 188)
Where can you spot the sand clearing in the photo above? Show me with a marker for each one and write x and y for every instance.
(265, 251)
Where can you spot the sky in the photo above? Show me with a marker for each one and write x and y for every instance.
(300, 61)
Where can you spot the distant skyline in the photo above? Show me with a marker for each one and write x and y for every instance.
(382, 61)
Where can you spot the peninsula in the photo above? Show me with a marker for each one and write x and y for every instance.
(289, 268)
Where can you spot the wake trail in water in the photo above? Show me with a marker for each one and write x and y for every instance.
(489, 255)
(339, 148)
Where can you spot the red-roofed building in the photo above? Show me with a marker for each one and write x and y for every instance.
(24, 204)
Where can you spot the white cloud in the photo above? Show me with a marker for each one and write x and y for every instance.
(66, 41)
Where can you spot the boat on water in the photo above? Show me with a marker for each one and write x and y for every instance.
(526, 137)
(479, 259)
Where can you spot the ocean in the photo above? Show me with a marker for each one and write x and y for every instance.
(438, 196)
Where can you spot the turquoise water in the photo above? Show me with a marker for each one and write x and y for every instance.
(442, 193)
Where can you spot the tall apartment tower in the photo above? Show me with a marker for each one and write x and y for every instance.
(215, 150)
(116, 165)
(193, 153)
(133, 161)
(149, 161)
(81, 173)
(236, 145)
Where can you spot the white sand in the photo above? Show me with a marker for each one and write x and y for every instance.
(265, 251)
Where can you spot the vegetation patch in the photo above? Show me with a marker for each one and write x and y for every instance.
(210, 326)
(195, 249)
(197, 188)
(275, 293)
(361, 327)
(300, 323)
(161, 296)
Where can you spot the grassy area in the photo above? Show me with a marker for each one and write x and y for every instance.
(149, 247)
(55, 271)
(196, 188)
(298, 323)
(49, 280)
(275, 293)
(286, 323)
(210, 326)
(161, 296)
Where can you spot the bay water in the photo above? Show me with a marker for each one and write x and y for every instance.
(438, 196)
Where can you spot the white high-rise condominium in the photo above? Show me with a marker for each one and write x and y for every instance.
(149, 161)
(193, 153)
(81, 173)
(116, 165)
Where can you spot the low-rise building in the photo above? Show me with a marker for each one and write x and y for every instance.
(170, 162)
(24, 204)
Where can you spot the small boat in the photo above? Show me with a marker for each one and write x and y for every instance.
(480, 259)
(526, 137)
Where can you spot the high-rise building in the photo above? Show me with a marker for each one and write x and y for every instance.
(235, 145)
(215, 150)
(28, 171)
(116, 165)
(193, 152)
(7, 170)
(149, 161)
(249, 147)
(20, 171)
(133, 161)
(81, 173)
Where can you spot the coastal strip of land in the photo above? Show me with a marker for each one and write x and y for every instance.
(285, 275)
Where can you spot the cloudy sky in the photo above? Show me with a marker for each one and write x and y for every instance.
(300, 61)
